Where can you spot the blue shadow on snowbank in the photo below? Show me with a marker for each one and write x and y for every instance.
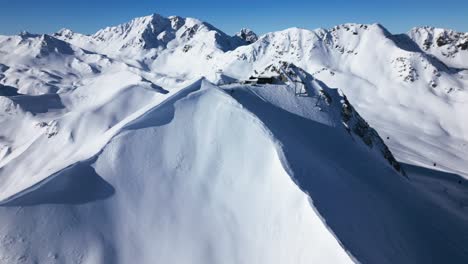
(77, 184)
(38, 103)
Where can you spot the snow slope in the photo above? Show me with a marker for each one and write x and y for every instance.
(58, 130)
(219, 174)
(213, 204)
(40, 64)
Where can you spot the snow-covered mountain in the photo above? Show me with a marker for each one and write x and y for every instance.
(154, 33)
(446, 45)
(166, 140)
(41, 64)
(387, 77)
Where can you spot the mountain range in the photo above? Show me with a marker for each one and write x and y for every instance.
(165, 140)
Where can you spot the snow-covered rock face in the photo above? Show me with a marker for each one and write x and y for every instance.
(335, 104)
(248, 35)
(145, 33)
(114, 151)
(447, 45)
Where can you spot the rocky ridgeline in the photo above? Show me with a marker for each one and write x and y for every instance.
(335, 101)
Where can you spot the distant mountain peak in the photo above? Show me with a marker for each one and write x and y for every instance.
(64, 32)
(44, 44)
(440, 37)
(152, 32)
(248, 35)
(449, 46)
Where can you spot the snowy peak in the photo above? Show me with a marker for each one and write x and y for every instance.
(447, 45)
(49, 44)
(247, 35)
(356, 29)
(152, 32)
(344, 47)
(347, 38)
(68, 35)
(65, 33)
(342, 38)
(141, 32)
(37, 45)
(439, 37)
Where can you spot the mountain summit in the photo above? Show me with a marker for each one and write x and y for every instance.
(248, 35)
(152, 32)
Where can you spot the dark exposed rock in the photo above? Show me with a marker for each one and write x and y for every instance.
(368, 135)
(463, 45)
(331, 99)
(441, 41)
(3, 67)
(186, 48)
(247, 35)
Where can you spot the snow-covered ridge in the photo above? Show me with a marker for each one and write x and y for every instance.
(34, 45)
(152, 32)
(40, 64)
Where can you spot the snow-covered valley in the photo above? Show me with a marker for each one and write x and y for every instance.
(147, 142)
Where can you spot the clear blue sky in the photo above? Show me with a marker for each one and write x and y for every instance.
(87, 16)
